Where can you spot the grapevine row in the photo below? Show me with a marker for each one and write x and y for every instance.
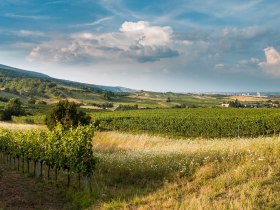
(69, 150)
(208, 123)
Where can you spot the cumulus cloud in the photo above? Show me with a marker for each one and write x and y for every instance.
(146, 34)
(138, 41)
(272, 64)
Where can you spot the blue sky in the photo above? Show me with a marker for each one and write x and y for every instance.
(160, 45)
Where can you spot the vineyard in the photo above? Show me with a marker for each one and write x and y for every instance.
(205, 123)
(66, 150)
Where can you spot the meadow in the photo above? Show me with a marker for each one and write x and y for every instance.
(150, 172)
(143, 170)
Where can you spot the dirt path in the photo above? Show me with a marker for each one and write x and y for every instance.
(20, 192)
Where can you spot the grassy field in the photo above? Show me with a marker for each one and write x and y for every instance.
(148, 172)
(151, 172)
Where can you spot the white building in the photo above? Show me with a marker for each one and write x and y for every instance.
(225, 105)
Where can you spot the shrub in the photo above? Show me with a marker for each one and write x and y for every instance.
(12, 108)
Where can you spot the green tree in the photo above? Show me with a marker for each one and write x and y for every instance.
(235, 104)
(67, 114)
(12, 108)
(32, 101)
(108, 95)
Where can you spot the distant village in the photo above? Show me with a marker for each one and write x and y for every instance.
(252, 103)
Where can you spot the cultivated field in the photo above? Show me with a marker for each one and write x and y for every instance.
(248, 98)
(193, 123)
(143, 171)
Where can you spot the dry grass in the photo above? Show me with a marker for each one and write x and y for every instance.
(148, 172)
(14, 126)
(90, 107)
(121, 141)
(248, 98)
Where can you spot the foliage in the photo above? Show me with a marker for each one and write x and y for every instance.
(68, 149)
(12, 108)
(1, 173)
(180, 106)
(108, 95)
(122, 107)
(208, 123)
(104, 105)
(235, 104)
(31, 101)
(67, 114)
(33, 119)
(42, 103)
(4, 99)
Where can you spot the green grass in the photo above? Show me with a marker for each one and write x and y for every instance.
(35, 119)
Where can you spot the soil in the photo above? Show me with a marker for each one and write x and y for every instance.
(17, 191)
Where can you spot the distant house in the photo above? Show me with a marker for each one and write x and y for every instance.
(225, 105)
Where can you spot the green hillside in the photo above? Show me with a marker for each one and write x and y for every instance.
(32, 85)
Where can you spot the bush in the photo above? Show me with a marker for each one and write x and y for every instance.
(4, 99)
(12, 108)
(5, 116)
(66, 114)
(31, 101)
(42, 103)
(1, 173)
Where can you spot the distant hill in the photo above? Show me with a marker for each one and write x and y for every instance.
(29, 85)
(14, 72)
(19, 73)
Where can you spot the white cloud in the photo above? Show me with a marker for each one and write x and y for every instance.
(272, 64)
(220, 66)
(247, 33)
(95, 23)
(32, 17)
(28, 33)
(138, 41)
(145, 34)
(250, 61)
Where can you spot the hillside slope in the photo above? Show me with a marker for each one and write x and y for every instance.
(27, 84)
(19, 73)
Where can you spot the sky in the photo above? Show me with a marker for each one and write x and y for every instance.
(158, 45)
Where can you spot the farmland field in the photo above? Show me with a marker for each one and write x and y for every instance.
(142, 171)
(207, 123)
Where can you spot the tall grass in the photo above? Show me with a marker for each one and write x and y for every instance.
(145, 172)
(15, 126)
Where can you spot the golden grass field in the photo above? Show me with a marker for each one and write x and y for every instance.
(14, 126)
(248, 98)
(148, 172)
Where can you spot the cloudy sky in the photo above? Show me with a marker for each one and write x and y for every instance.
(160, 45)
